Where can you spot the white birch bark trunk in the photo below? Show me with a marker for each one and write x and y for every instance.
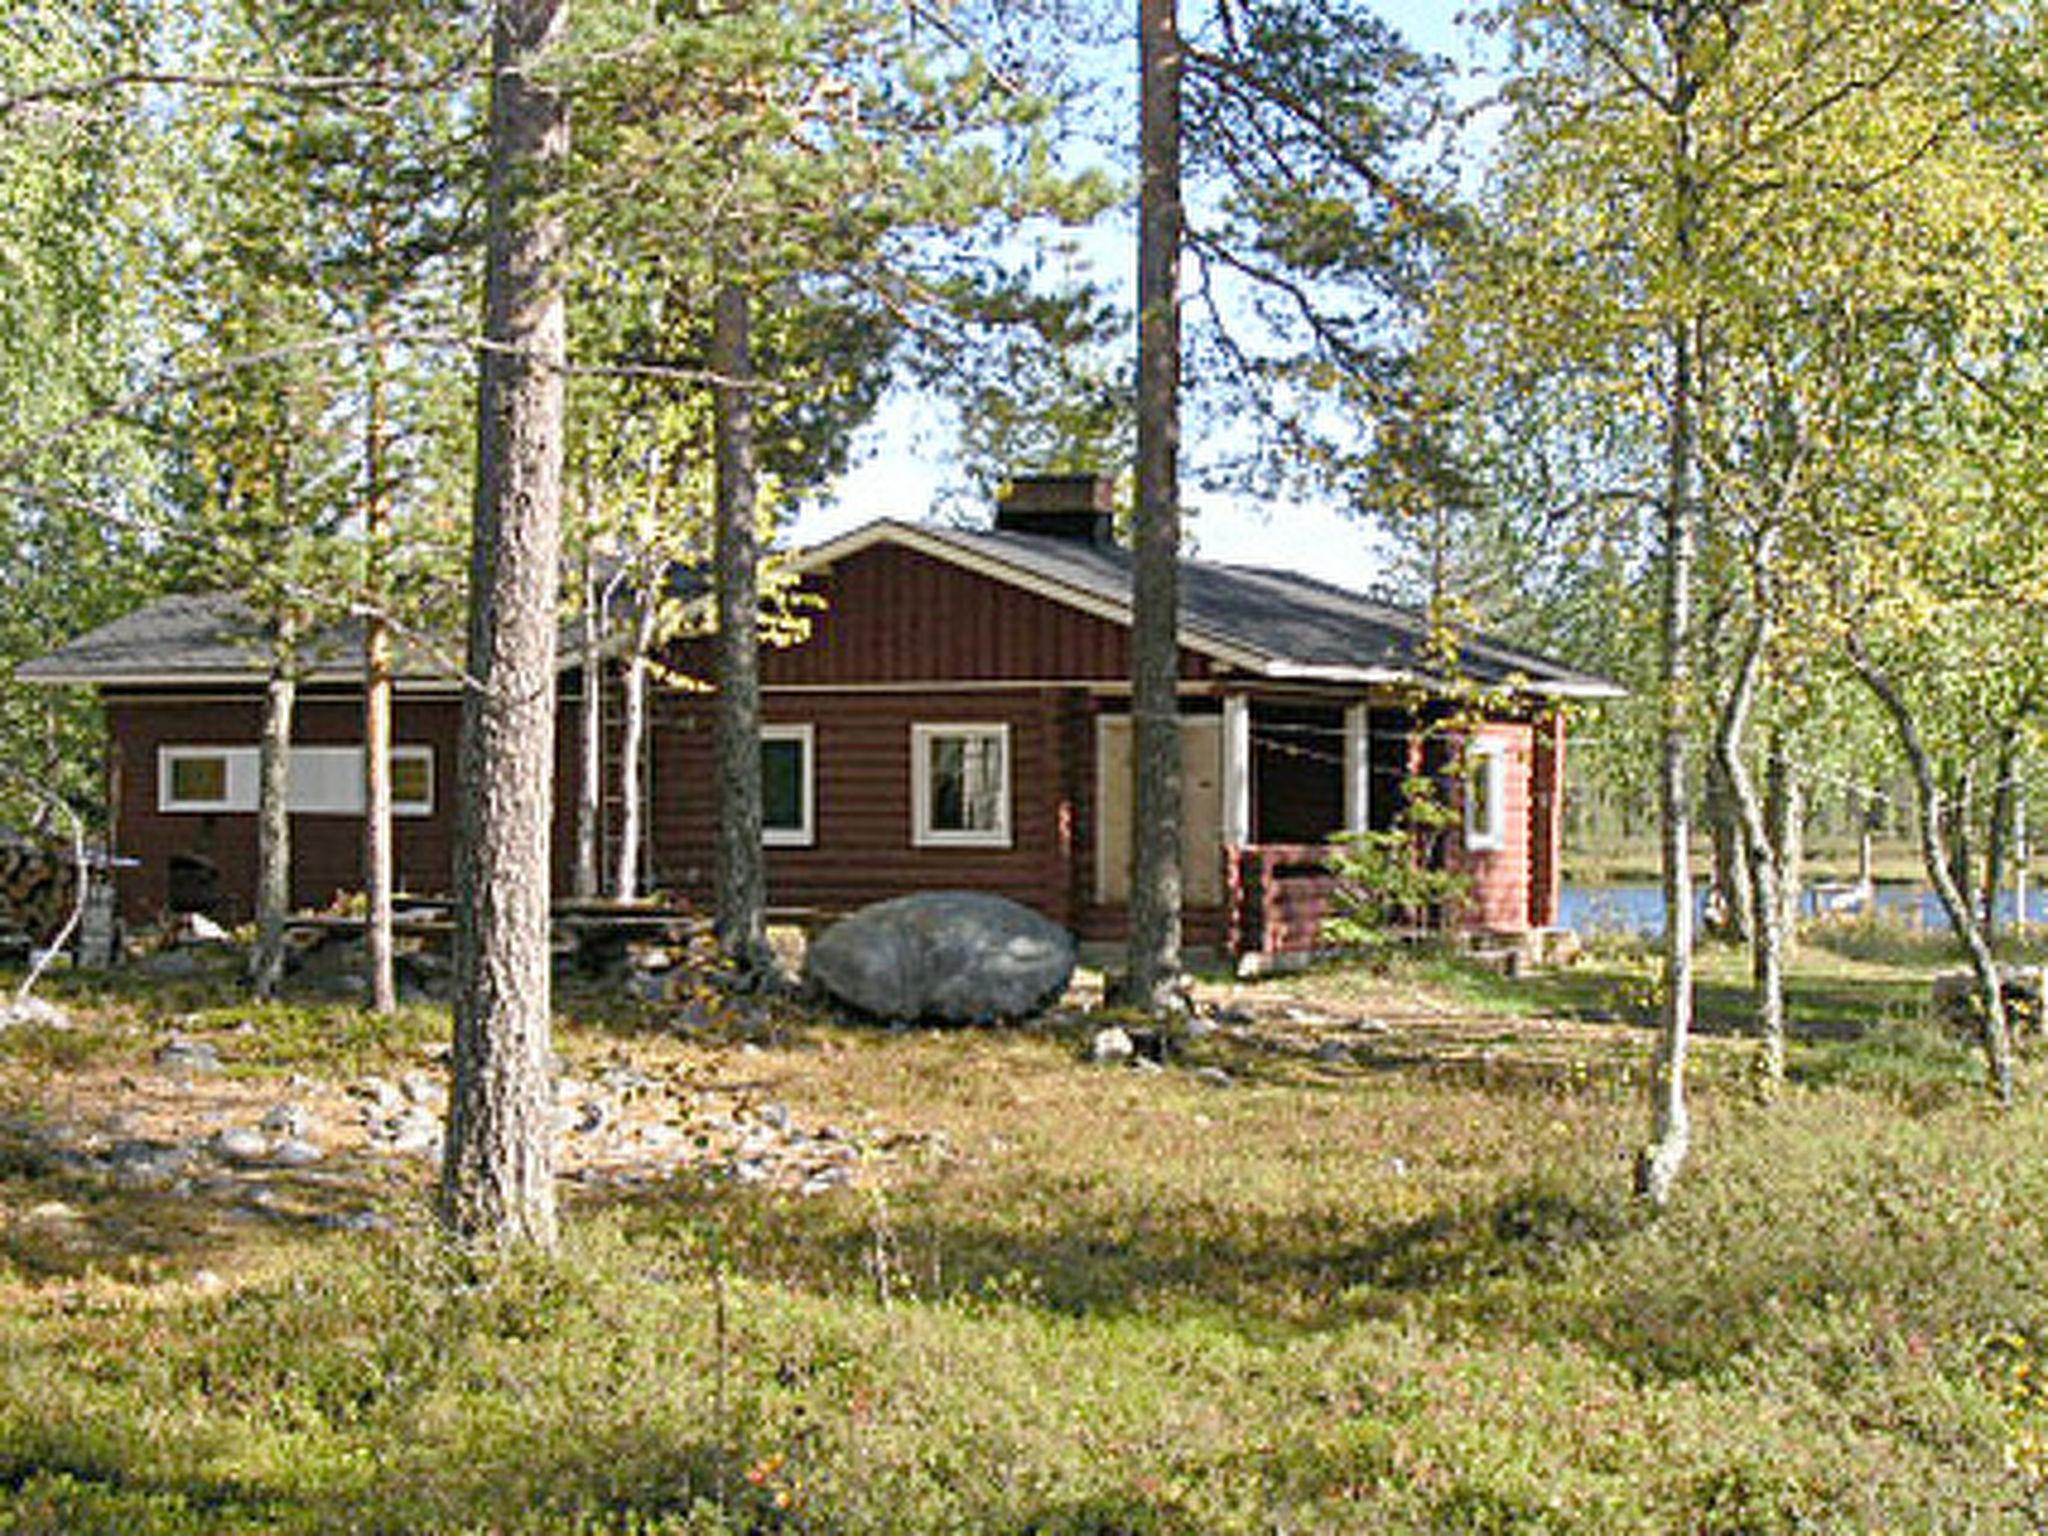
(587, 877)
(274, 821)
(633, 755)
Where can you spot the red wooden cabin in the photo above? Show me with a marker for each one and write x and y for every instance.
(958, 716)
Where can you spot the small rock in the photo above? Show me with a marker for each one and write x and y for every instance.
(357, 1221)
(626, 1080)
(416, 1133)
(1334, 1052)
(239, 1144)
(1215, 1077)
(33, 1012)
(178, 1054)
(296, 1152)
(383, 1094)
(147, 1164)
(289, 1120)
(775, 1115)
(423, 1087)
(1111, 1046)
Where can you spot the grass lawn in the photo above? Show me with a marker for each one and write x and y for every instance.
(1364, 1261)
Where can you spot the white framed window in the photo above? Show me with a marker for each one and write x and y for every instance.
(412, 781)
(960, 786)
(324, 781)
(1486, 794)
(206, 779)
(788, 786)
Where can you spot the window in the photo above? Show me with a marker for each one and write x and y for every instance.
(206, 778)
(1486, 795)
(324, 781)
(412, 781)
(786, 786)
(960, 785)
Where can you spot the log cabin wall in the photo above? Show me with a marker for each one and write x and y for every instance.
(326, 848)
(863, 845)
(1499, 897)
(902, 639)
(895, 615)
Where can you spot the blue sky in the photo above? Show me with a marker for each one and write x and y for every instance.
(902, 471)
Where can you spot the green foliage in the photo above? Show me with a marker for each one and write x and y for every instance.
(1409, 1298)
(1387, 881)
(79, 191)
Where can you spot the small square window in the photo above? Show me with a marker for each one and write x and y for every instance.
(960, 785)
(199, 780)
(206, 779)
(412, 781)
(786, 786)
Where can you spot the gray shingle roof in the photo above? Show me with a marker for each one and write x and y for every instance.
(207, 637)
(1277, 621)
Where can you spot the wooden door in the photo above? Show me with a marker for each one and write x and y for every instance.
(1201, 832)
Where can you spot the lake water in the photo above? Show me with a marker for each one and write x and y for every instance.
(1639, 908)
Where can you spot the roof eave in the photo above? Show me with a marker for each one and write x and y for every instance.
(52, 677)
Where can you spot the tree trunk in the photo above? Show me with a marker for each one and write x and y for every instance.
(632, 752)
(1866, 851)
(739, 915)
(1994, 1030)
(2022, 854)
(1155, 911)
(1998, 839)
(380, 980)
(1767, 931)
(273, 820)
(1658, 1167)
(497, 1177)
(587, 876)
(1730, 917)
(1962, 849)
(1785, 811)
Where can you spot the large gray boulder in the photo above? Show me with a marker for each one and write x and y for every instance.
(956, 957)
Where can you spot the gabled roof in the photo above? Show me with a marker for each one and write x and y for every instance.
(1270, 623)
(209, 637)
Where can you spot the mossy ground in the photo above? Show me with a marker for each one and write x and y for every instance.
(1401, 1287)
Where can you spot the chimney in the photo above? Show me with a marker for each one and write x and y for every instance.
(1077, 507)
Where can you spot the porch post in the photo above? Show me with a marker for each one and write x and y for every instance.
(1357, 768)
(1237, 770)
